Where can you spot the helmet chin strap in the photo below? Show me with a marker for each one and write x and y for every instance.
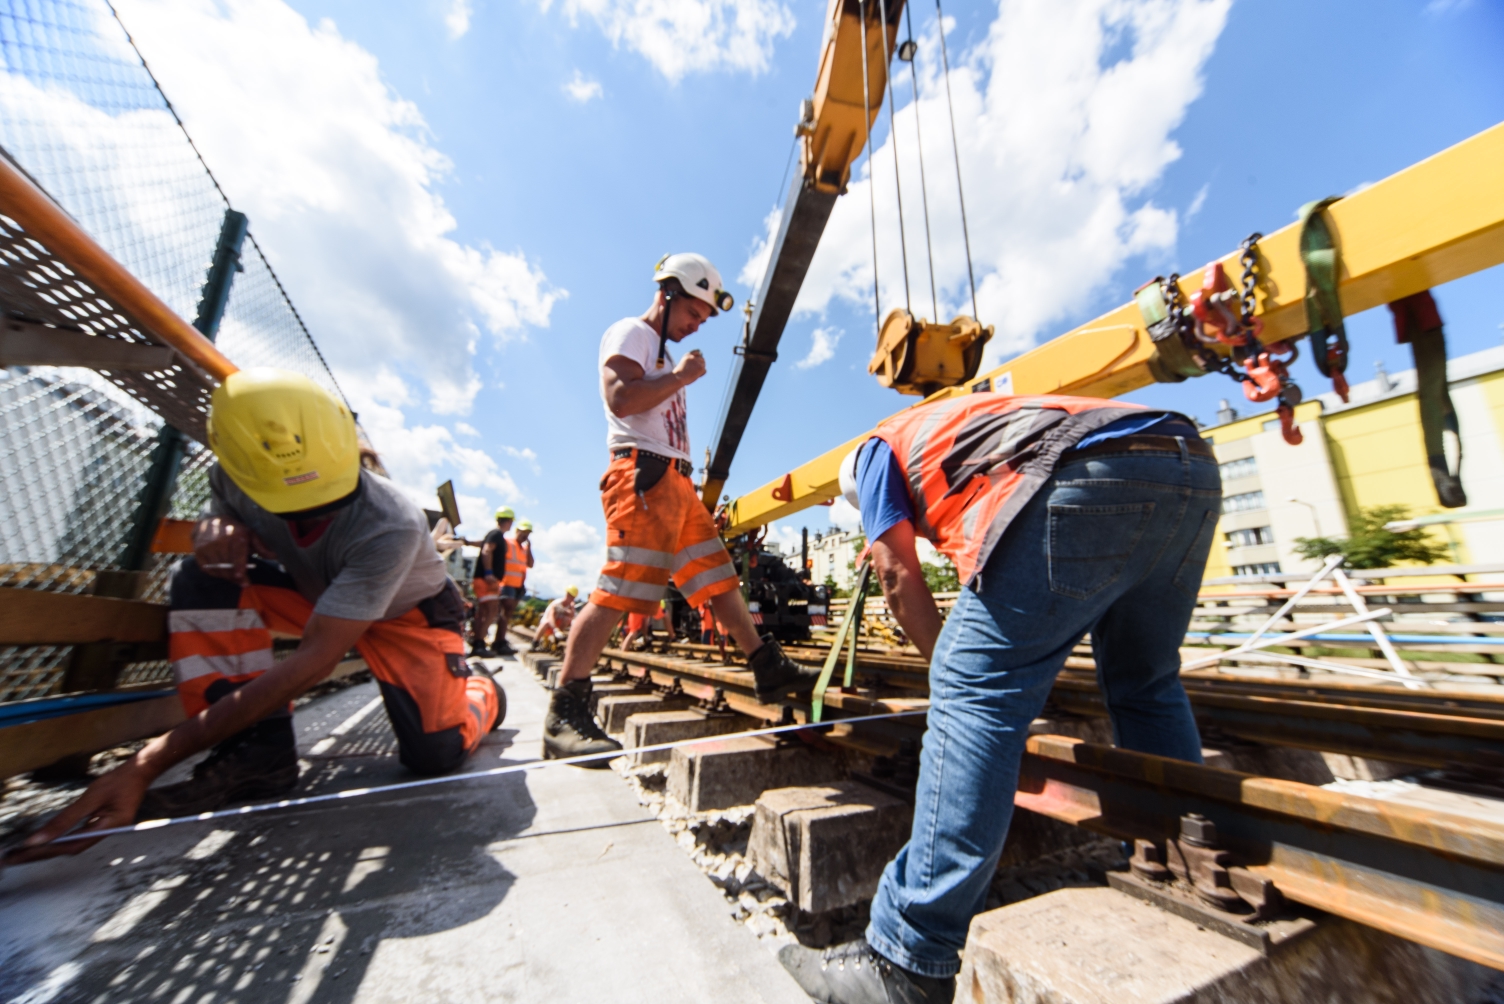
(668, 303)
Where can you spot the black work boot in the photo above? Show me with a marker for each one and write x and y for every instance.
(854, 973)
(479, 669)
(569, 729)
(776, 675)
(258, 762)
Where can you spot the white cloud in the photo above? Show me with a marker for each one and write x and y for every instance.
(457, 17)
(524, 454)
(679, 37)
(581, 89)
(844, 515)
(568, 553)
(1198, 201)
(1065, 113)
(415, 455)
(338, 175)
(822, 347)
(466, 429)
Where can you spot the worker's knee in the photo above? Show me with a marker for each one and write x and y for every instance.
(421, 752)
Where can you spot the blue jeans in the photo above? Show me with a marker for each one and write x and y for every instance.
(1114, 544)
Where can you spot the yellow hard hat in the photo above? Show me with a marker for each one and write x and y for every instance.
(524, 524)
(572, 591)
(505, 513)
(285, 441)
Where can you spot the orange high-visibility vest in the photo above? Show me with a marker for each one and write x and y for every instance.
(516, 566)
(972, 462)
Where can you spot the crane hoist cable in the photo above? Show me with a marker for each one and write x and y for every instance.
(903, 242)
(956, 149)
(877, 311)
(906, 52)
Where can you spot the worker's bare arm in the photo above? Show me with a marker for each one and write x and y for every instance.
(629, 391)
(895, 559)
(113, 799)
(488, 560)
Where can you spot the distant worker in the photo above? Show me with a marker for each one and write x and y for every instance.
(354, 566)
(656, 526)
(1062, 515)
(557, 618)
(490, 566)
(640, 627)
(514, 582)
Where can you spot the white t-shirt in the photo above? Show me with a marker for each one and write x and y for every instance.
(663, 430)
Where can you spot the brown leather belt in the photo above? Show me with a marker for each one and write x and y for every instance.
(684, 467)
(1197, 447)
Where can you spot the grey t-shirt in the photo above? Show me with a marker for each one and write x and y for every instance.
(375, 560)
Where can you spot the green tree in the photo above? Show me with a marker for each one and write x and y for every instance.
(941, 578)
(1369, 545)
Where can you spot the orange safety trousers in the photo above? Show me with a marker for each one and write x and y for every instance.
(656, 530)
(221, 638)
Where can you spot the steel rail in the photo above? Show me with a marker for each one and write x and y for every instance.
(1430, 877)
(1435, 730)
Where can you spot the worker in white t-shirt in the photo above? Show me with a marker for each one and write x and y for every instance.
(656, 525)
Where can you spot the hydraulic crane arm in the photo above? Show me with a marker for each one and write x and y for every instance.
(834, 127)
(1431, 223)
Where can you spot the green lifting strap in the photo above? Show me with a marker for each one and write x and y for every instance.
(1323, 264)
(1417, 323)
(847, 635)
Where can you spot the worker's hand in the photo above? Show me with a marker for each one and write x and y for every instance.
(222, 547)
(691, 367)
(112, 800)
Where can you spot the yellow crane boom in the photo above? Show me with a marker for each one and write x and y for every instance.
(1436, 221)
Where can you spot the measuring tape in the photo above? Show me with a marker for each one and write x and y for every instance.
(291, 803)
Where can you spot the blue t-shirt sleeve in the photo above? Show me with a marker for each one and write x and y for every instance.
(881, 489)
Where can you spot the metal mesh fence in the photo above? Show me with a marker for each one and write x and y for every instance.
(82, 115)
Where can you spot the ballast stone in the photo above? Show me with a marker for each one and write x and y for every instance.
(649, 728)
(1100, 946)
(826, 846)
(735, 771)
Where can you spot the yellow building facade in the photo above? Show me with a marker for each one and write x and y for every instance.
(1364, 453)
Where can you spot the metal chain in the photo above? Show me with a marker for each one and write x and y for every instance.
(1249, 261)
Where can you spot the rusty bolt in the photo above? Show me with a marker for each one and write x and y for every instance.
(1198, 831)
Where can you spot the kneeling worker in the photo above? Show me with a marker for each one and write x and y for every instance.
(656, 526)
(1063, 515)
(557, 617)
(355, 566)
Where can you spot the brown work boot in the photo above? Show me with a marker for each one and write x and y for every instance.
(570, 729)
(778, 676)
(259, 762)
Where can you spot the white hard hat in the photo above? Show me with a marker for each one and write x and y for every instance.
(698, 277)
(848, 478)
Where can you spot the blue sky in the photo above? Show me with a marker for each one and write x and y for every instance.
(461, 195)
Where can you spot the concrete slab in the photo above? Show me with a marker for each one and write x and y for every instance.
(825, 847)
(613, 710)
(547, 886)
(649, 728)
(734, 772)
(1099, 946)
(600, 690)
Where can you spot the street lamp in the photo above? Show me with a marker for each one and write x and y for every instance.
(1315, 520)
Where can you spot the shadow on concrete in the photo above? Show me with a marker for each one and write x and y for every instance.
(291, 907)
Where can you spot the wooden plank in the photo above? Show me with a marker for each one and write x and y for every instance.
(37, 744)
(33, 617)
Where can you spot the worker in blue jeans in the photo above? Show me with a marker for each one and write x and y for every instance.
(1063, 516)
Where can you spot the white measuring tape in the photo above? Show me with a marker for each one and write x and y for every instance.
(334, 796)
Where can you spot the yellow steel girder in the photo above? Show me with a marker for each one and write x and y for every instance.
(1436, 221)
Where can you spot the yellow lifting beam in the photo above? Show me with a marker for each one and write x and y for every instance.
(1431, 223)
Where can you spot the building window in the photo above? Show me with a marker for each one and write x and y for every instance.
(1244, 502)
(1263, 568)
(1245, 468)
(1250, 538)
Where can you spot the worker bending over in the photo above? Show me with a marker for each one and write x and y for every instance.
(490, 566)
(1063, 515)
(351, 565)
(519, 559)
(557, 618)
(656, 526)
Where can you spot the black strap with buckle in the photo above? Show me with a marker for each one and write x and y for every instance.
(684, 467)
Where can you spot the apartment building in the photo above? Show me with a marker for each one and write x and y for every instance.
(1363, 453)
(831, 556)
